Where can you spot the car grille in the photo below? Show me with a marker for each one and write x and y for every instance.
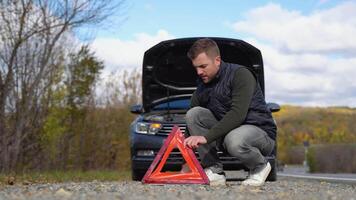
(176, 155)
(167, 128)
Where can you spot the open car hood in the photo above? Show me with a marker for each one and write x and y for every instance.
(168, 73)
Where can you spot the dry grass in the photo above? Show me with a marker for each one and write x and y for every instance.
(332, 158)
(63, 176)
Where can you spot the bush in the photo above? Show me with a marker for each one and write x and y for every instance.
(295, 156)
(332, 158)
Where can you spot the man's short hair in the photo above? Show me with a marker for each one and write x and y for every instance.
(205, 45)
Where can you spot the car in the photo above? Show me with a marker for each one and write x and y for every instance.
(168, 81)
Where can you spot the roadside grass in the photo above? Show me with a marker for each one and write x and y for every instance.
(332, 158)
(64, 176)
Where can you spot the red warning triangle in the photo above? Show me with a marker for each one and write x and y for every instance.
(175, 140)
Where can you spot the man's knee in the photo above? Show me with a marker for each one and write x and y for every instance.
(199, 120)
(193, 114)
(234, 145)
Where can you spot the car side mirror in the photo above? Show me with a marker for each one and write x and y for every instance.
(136, 109)
(273, 107)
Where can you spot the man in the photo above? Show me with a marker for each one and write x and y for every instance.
(228, 108)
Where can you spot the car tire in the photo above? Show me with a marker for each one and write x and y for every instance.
(273, 174)
(137, 175)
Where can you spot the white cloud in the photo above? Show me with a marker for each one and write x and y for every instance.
(322, 31)
(125, 54)
(309, 59)
(119, 55)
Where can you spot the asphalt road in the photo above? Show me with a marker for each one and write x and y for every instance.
(300, 172)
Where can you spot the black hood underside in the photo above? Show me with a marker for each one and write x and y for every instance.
(168, 73)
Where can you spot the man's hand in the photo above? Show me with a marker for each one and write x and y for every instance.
(194, 141)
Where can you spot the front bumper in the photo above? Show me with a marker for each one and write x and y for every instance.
(175, 160)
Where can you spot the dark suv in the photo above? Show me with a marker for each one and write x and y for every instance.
(168, 81)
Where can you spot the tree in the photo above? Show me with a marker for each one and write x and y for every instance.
(84, 70)
(35, 38)
(122, 88)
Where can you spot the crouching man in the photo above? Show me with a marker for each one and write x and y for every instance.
(228, 108)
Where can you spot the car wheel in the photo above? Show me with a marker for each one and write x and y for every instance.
(137, 175)
(273, 174)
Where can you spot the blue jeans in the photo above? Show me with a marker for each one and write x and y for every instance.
(249, 143)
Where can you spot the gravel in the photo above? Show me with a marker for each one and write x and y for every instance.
(284, 188)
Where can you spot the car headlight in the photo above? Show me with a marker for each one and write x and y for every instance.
(148, 128)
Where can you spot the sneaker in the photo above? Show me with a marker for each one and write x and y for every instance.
(259, 178)
(215, 179)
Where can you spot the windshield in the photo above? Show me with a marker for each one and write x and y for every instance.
(183, 104)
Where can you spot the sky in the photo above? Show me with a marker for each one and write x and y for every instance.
(308, 46)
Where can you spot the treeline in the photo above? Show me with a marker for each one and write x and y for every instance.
(296, 125)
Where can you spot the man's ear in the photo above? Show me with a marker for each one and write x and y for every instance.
(217, 60)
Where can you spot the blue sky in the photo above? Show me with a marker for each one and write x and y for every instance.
(186, 18)
(308, 46)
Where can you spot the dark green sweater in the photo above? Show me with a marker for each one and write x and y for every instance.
(244, 84)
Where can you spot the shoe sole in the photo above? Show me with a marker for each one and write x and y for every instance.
(253, 184)
(217, 183)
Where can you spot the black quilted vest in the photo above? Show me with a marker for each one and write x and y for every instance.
(217, 97)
